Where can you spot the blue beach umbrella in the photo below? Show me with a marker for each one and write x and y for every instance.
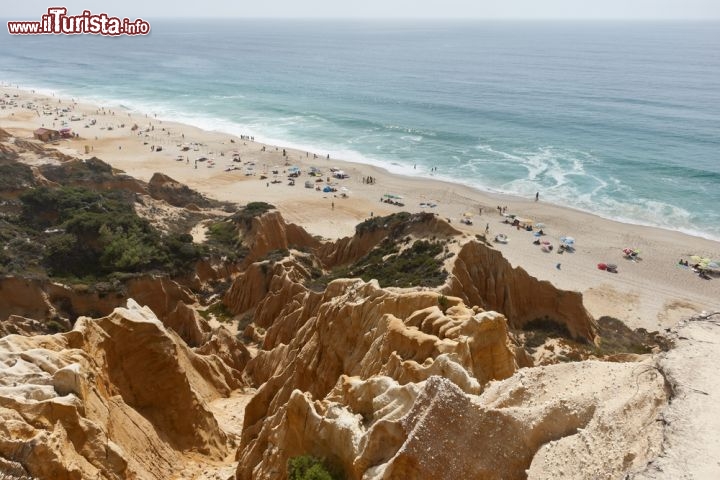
(569, 241)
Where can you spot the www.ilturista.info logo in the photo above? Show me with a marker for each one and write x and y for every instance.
(58, 22)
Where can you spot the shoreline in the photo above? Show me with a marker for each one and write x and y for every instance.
(208, 124)
(653, 293)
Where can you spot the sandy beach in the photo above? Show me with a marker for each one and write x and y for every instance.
(653, 292)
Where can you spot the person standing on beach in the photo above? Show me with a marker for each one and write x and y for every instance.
(537, 196)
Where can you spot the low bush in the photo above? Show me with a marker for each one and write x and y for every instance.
(306, 467)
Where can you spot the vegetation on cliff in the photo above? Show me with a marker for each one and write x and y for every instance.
(306, 467)
(90, 233)
(398, 260)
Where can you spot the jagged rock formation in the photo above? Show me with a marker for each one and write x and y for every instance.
(356, 328)
(117, 397)
(482, 276)
(530, 426)
(270, 232)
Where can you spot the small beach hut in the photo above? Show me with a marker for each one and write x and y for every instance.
(46, 134)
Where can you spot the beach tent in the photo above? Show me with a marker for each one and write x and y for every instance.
(327, 188)
(567, 241)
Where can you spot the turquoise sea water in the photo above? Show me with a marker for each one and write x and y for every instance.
(620, 119)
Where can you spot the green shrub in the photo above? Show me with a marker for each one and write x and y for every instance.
(306, 467)
(223, 233)
(219, 311)
(15, 176)
(416, 266)
(443, 303)
(99, 233)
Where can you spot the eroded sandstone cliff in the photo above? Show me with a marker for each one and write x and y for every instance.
(117, 397)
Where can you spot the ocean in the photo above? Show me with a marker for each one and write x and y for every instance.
(621, 119)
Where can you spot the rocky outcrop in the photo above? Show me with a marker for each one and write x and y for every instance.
(370, 233)
(117, 397)
(162, 187)
(355, 328)
(44, 300)
(529, 426)
(482, 276)
(269, 232)
(16, 325)
(250, 287)
(24, 297)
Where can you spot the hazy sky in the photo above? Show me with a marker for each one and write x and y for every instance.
(518, 9)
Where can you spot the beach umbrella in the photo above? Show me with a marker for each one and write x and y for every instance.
(696, 258)
(540, 225)
(713, 265)
(567, 240)
(467, 214)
